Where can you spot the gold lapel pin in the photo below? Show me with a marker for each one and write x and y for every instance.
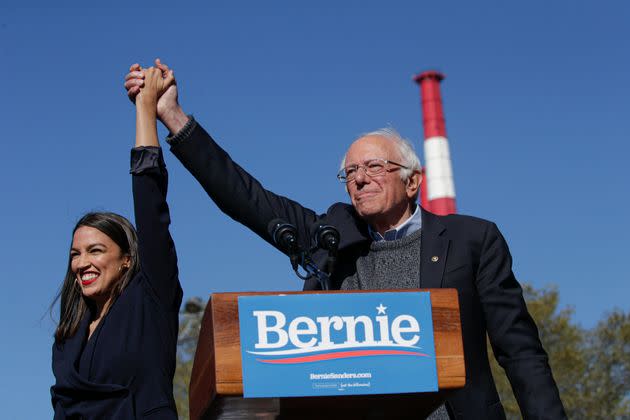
(435, 258)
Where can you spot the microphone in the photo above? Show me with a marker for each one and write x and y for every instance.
(284, 235)
(327, 238)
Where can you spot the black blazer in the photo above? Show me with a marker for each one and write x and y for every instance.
(472, 257)
(125, 370)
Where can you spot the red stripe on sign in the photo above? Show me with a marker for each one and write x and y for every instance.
(342, 355)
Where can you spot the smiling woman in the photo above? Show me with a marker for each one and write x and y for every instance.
(94, 256)
(115, 345)
(103, 258)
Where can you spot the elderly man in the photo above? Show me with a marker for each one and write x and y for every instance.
(388, 241)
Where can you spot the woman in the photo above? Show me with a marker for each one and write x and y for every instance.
(115, 346)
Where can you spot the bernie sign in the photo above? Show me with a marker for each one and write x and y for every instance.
(337, 344)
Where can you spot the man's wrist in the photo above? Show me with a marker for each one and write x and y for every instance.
(174, 139)
(174, 119)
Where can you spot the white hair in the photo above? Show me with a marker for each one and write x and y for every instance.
(405, 149)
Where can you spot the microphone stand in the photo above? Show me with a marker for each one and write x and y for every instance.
(284, 235)
(313, 271)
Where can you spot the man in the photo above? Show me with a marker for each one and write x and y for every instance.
(387, 241)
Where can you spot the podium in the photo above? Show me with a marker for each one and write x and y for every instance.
(216, 385)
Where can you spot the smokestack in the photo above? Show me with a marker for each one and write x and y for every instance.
(438, 188)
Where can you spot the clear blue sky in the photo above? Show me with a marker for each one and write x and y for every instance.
(536, 102)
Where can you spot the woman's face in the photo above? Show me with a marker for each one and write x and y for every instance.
(97, 262)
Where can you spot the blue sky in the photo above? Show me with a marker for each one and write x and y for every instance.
(536, 103)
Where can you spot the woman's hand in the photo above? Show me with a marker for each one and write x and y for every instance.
(168, 109)
(156, 83)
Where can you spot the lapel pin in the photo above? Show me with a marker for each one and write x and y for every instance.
(435, 258)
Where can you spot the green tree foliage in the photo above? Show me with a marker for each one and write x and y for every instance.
(590, 366)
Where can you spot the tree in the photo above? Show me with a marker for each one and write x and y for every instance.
(590, 366)
(189, 325)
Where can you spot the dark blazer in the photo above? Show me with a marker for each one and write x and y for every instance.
(125, 370)
(472, 257)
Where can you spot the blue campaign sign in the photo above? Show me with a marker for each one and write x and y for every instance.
(337, 344)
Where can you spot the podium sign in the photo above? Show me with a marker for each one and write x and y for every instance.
(333, 344)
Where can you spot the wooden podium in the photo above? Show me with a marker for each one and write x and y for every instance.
(216, 385)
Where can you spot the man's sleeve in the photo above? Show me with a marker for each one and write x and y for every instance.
(513, 333)
(234, 190)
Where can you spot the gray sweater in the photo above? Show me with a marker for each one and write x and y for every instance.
(392, 265)
(388, 265)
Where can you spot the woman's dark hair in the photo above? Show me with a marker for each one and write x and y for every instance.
(73, 304)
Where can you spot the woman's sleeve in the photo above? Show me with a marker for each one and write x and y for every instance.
(158, 259)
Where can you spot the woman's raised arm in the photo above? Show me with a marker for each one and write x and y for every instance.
(158, 259)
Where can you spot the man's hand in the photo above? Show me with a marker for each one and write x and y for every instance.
(168, 109)
(134, 80)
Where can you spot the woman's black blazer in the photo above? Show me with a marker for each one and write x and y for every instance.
(125, 369)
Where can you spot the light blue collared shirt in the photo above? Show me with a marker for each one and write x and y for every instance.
(409, 226)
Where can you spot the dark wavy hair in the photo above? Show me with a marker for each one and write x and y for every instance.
(73, 304)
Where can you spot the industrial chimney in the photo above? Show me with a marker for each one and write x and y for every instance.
(438, 188)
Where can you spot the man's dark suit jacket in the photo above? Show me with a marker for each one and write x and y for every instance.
(472, 258)
(125, 369)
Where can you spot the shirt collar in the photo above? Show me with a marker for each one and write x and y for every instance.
(406, 228)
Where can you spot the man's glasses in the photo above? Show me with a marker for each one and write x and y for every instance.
(372, 167)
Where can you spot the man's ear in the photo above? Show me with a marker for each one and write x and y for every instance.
(413, 184)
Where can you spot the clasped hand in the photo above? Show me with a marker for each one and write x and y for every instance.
(152, 84)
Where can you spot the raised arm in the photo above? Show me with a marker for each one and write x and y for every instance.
(157, 252)
(237, 193)
(234, 190)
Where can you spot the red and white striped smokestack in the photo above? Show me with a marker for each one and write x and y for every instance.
(438, 195)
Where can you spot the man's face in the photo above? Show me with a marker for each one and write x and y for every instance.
(382, 200)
